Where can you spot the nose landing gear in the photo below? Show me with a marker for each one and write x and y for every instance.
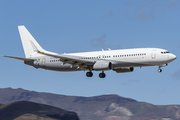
(162, 65)
(159, 70)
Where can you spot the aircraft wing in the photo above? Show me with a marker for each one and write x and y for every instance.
(69, 59)
(24, 59)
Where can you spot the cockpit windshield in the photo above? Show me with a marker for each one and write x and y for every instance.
(165, 52)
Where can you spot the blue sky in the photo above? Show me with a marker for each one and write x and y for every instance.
(78, 26)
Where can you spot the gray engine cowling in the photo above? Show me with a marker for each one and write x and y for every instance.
(124, 70)
(102, 66)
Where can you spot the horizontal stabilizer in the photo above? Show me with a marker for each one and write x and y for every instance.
(24, 59)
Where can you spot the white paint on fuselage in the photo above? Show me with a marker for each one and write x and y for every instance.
(137, 57)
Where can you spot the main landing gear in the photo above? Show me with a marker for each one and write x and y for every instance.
(89, 74)
(101, 75)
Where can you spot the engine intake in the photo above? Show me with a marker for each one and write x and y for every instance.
(102, 66)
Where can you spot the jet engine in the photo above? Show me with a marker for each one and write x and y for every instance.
(102, 66)
(124, 70)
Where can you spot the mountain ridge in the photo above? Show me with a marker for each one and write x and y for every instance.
(103, 107)
(14, 110)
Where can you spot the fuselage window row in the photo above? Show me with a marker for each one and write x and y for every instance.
(54, 60)
(128, 55)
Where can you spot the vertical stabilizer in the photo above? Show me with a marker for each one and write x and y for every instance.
(30, 45)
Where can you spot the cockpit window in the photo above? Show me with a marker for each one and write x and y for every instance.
(165, 52)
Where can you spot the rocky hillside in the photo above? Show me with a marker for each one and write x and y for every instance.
(24, 110)
(105, 107)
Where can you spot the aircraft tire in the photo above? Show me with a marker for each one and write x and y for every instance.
(89, 74)
(102, 75)
(159, 70)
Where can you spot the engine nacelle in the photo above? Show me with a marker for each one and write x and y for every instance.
(124, 70)
(102, 66)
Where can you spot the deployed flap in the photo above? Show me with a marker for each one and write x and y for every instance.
(24, 59)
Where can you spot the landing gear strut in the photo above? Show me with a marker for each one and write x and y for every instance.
(102, 75)
(159, 70)
(162, 65)
(89, 74)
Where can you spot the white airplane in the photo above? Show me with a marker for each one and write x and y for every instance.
(120, 61)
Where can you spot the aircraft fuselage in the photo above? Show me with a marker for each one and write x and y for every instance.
(125, 58)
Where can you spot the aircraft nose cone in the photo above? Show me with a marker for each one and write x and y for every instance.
(173, 57)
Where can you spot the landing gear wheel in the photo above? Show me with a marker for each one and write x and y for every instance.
(89, 74)
(102, 75)
(159, 70)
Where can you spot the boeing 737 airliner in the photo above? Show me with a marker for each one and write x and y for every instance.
(120, 61)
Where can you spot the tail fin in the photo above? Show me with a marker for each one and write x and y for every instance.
(30, 45)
